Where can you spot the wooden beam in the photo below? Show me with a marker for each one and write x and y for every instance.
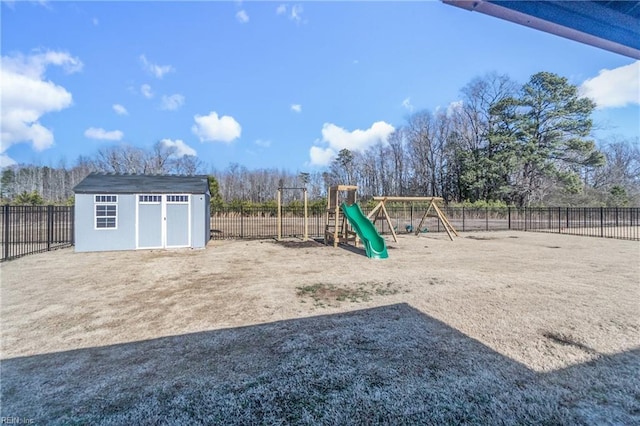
(445, 220)
(345, 187)
(386, 215)
(424, 216)
(375, 211)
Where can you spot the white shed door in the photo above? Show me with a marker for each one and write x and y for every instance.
(178, 220)
(163, 221)
(150, 221)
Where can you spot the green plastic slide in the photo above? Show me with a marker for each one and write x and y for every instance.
(373, 243)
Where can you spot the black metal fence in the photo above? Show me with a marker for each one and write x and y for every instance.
(606, 222)
(34, 229)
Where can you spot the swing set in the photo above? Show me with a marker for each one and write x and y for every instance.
(380, 211)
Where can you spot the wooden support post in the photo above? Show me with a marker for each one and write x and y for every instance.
(375, 210)
(386, 215)
(445, 221)
(441, 217)
(424, 217)
(375, 213)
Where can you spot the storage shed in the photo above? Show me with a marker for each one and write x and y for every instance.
(131, 212)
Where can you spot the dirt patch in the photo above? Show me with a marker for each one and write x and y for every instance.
(481, 237)
(331, 295)
(296, 244)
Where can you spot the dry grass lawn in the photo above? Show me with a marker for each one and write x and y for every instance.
(499, 327)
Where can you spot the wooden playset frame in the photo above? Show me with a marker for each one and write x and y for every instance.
(380, 208)
(337, 228)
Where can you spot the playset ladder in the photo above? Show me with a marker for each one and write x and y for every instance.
(336, 228)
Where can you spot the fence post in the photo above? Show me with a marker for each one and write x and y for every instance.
(5, 254)
(559, 219)
(49, 226)
(486, 218)
(509, 218)
(73, 225)
(601, 222)
(241, 221)
(279, 215)
(411, 214)
(463, 219)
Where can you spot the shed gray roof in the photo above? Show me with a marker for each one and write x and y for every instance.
(100, 183)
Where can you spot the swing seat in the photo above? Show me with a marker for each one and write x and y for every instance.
(409, 228)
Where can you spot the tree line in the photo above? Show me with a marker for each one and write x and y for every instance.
(504, 144)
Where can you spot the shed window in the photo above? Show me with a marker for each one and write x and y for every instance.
(106, 198)
(177, 198)
(149, 198)
(106, 209)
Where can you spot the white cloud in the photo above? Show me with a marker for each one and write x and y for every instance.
(296, 107)
(6, 161)
(181, 148)
(454, 107)
(407, 104)
(95, 22)
(26, 96)
(145, 89)
(263, 143)
(157, 70)
(294, 14)
(211, 128)
(242, 16)
(618, 87)
(357, 140)
(120, 110)
(103, 135)
(321, 156)
(34, 66)
(172, 103)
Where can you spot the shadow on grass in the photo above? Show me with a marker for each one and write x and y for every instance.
(385, 365)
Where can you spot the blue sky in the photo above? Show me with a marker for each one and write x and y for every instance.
(265, 84)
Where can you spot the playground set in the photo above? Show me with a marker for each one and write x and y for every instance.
(346, 223)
